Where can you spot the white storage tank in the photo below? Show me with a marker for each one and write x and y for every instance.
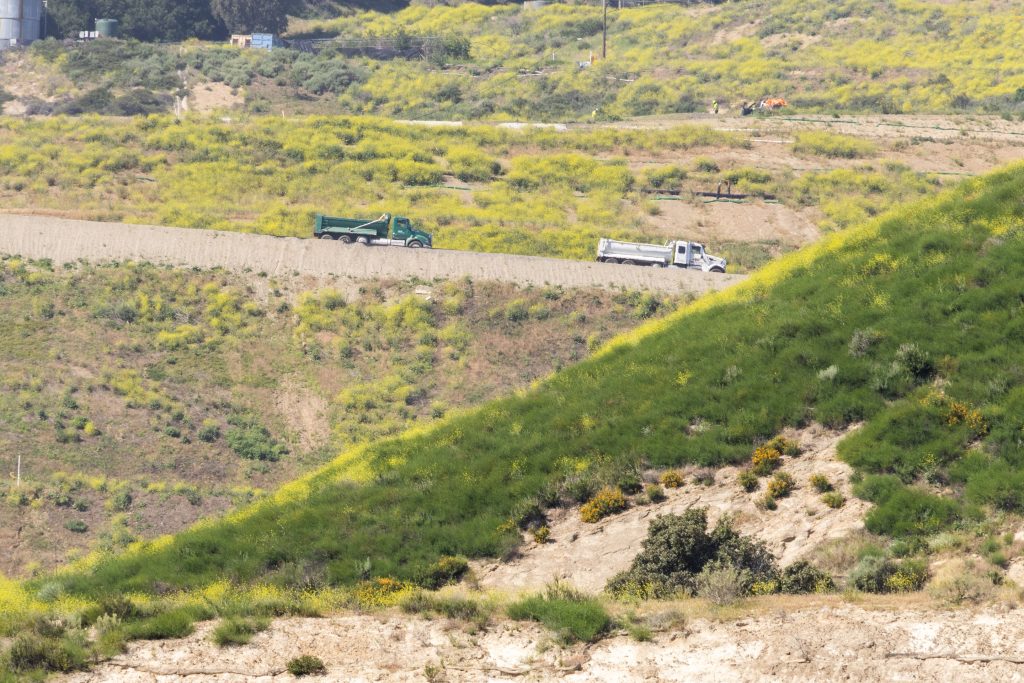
(21, 22)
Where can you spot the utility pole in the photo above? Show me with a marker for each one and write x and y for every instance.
(604, 32)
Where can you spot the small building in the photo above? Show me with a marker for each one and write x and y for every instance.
(240, 40)
(266, 41)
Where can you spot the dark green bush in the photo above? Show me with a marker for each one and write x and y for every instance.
(251, 440)
(878, 574)
(76, 525)
(209, 432)
(678, 547)
(802, 577)
(306, 665)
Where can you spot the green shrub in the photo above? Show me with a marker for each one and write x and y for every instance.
(912, 512)
(76, 525)
(802, 577)
(517, 311)
(469, 164)
(175, 623)
(238, 630)
(821, 483)
(666, 178)
(878, 574)
(655, 494)
(783, 445)
(445, 571)
(453, 607)
(253, 441)
(30, 651)
(121, 501)
(706, 165)
(605, 502)
(781, 485)
(209, 432)
(306, 665)
(569, 614)
(747, 480)
(679, 547)
(833, 499)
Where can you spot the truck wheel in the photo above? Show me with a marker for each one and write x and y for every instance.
(346, 239)
(611, 260)
(717, 270)
(414, 245)
(628, 262)
(363, 241)
(660, 265)
(327, 236)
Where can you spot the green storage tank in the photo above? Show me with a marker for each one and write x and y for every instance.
(108, 28)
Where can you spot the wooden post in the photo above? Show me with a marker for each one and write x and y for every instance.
(604, 32)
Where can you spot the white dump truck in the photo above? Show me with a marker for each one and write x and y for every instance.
(676, 253)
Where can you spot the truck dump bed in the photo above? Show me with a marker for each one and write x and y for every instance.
(634, 251)
(377, 227)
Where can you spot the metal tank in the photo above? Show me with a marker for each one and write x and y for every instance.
(20, 21)
(108, 28)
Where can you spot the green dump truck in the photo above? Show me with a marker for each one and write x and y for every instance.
(394, 231)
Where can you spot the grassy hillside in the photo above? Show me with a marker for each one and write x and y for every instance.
(142, 399)
(480, 188)
(908, 324)
(501, 61)
(854, 55)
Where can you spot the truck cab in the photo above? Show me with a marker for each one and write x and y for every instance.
(403, 231)
(692, 255)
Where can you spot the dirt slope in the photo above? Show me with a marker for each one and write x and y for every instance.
(827, 641)
(64, 240)
(587, 555)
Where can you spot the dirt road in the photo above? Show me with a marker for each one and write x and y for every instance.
(64, 240)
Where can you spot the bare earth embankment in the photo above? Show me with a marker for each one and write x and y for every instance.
(64, 240)
(827, 641)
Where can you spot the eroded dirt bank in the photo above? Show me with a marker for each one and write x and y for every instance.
(829, 641)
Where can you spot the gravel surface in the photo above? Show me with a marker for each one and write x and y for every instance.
(64, 240)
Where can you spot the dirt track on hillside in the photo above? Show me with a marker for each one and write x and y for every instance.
(64, 240)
